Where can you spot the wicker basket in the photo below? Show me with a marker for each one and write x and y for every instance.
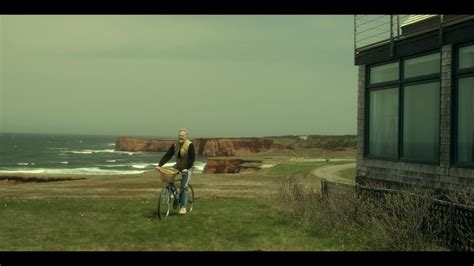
(168, 174)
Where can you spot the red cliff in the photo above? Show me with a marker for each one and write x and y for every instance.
(204, 147)
(132, 144)
(229, 166)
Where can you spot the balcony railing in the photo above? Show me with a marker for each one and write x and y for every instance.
(374, 30)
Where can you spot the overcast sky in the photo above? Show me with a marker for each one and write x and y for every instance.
(217, 76)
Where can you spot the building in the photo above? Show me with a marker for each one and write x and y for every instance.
(304, 137)
(415, 100)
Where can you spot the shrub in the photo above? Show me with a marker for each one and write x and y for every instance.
(401, 221)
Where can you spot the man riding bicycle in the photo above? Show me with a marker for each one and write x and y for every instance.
(183, 150)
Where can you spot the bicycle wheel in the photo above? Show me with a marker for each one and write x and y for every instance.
(190, 205)
(164, 203)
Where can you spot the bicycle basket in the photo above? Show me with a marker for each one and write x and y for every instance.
(168, 174)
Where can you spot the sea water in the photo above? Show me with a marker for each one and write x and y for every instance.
(75, 154)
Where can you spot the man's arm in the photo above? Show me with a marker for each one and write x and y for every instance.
(191, 156)
(167, 156)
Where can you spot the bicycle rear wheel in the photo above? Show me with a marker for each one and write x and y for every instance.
(164, 203)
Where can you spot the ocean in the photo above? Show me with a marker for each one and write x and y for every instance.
(75, 154)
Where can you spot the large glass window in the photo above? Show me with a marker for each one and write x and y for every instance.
(465, 125)
(403, 109)
(421, 66)
(421, 122)
(466, 57)
(384, 73)
(383, 123)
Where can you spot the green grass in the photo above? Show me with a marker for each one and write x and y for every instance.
(347, 173)
(132, 224)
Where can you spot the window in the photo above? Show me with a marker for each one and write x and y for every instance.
(421, 122)
(466, 57)
(403, 109)
(464, 99)
(383, 123)
(383, 73)
(465, 125)
(422, 66)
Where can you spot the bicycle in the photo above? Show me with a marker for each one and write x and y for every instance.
(170, 196)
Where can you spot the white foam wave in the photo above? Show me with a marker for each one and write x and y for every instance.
(25, 163)
(114, 165)
(110, 144)
(140, 166)
(111, 161)
(78, 171)
(65, 162)
(90, 151)
(128, 152)
(103, 151)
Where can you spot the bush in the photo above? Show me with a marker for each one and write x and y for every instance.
(461, 227)
(399, 221)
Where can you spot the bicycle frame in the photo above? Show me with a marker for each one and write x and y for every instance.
(170, 192)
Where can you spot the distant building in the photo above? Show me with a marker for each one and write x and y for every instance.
(416, 100)
(305, 137)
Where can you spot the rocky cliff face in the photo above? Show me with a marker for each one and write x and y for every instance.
(231, 166)
(204, 147)
(233, 147)
(133, 144)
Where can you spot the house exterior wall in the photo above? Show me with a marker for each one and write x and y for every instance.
(443, 176)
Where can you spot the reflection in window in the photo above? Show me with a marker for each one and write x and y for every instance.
(383, 73)
(466, 57)
(423, 65)
(383, 123)
(421, 122)
(465, 128)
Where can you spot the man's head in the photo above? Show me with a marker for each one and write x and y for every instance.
(183, 135)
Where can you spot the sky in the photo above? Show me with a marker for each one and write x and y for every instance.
(215, 75)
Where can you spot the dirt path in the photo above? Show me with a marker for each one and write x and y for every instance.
(329, 172)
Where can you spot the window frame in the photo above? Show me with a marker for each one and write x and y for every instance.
(401, 83)
(456, 75)
(367, 117)
(374, 87)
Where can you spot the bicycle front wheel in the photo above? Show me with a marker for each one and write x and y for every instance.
(164, 203)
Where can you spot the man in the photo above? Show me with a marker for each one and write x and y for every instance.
(183, 150)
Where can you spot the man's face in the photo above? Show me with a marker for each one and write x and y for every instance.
(182, 137)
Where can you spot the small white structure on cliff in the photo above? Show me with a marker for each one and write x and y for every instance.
(305, 137)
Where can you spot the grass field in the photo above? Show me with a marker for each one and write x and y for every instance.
(348, 173)
(232, 212)
(132, 224)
